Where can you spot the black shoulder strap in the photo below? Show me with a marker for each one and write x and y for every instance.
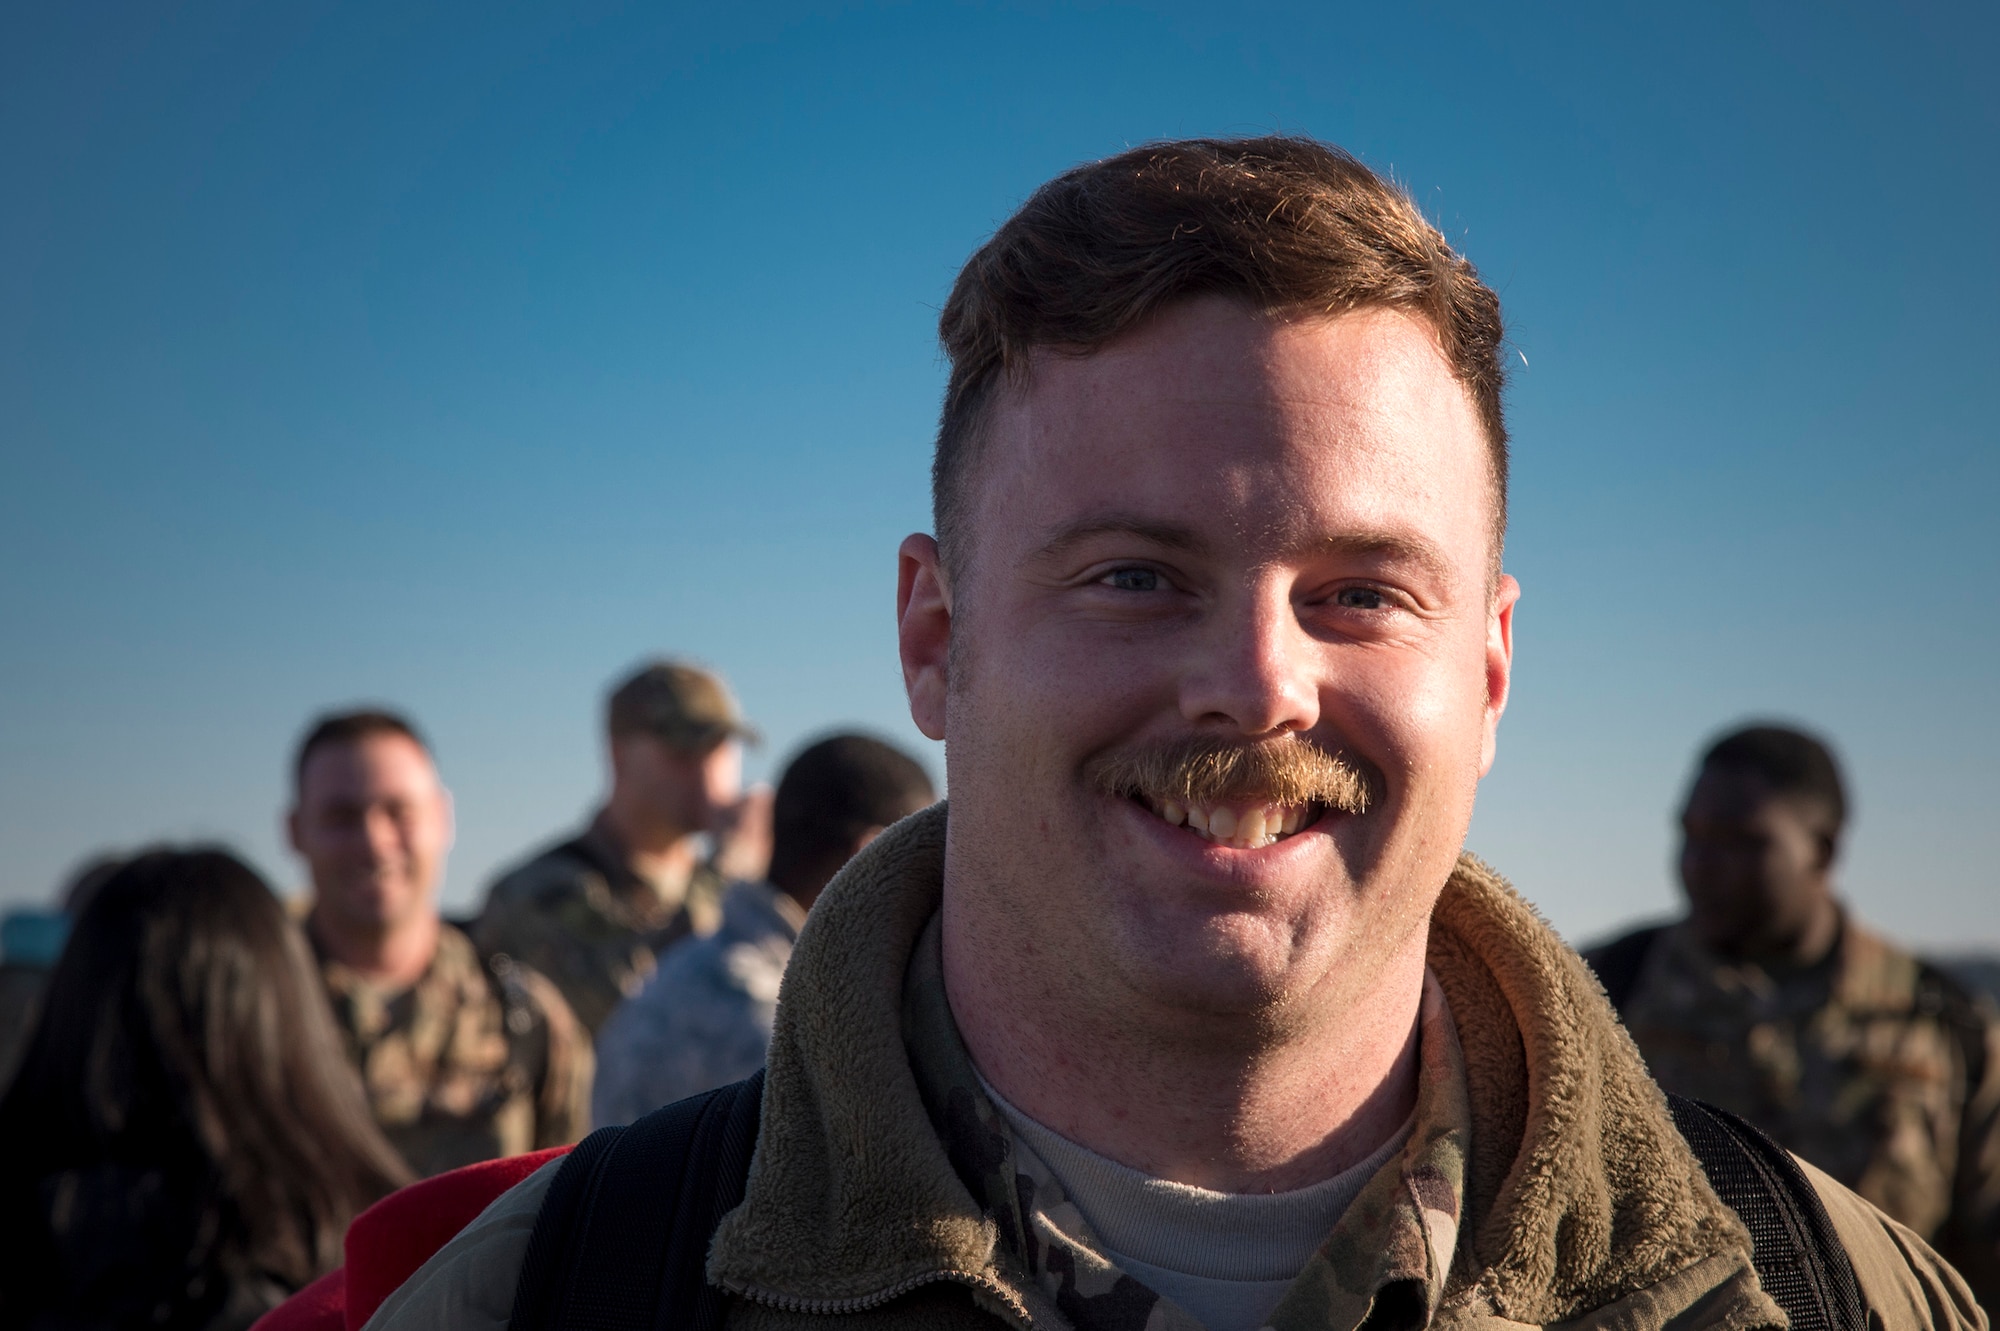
(1800, 1260)
(1940, 994)
(622, 1239)
(1618, 963)
(522, 1018)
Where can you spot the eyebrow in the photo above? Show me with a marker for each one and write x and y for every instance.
(1167, 535)
(1390, 546)
(1383, 545)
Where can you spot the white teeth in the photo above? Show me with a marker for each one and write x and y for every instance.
(1262, 826)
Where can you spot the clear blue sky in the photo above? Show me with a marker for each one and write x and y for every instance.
(458, 356)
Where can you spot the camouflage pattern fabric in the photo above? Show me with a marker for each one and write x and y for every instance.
(1844, 1064)
(1385, 1263)
(704, 1019)
(581, 916)
(472, 1062)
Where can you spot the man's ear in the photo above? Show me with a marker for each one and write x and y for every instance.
(292, 829)
(1499, 665)
(923, 630)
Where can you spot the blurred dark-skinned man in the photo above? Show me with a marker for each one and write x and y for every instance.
(465, 1057)
(594, 911)
(1770, 1000)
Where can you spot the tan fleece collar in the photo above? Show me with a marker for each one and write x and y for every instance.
(1579, 1191)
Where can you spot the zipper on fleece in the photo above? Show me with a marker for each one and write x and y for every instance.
(792, 1303)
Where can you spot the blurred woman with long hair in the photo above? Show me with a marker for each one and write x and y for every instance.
(184, 1143)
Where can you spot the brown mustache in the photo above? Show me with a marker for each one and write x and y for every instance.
(1204, 770)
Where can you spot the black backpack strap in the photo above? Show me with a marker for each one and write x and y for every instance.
(1800, 1260)
(622, 1239)
(1941, 995)
(1618, 963)
(522, 1018)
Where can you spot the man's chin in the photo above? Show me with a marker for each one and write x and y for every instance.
(1229, 964)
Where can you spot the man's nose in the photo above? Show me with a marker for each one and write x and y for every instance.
(385, 835)
(1256, 669)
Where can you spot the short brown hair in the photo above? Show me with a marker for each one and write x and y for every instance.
(1286, 223)
(351, 728)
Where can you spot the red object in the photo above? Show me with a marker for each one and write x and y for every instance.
(391, 1239)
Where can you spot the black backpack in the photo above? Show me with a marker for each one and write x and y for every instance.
(622, 1238)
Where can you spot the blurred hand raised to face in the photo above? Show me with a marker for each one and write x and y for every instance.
(743, 836)
(374, 825)
(1220, 665)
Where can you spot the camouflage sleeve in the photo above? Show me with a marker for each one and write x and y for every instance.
(562, 1100)
(1971, 1237)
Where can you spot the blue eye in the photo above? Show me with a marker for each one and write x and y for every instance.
(1360, 598)
(1134, 580)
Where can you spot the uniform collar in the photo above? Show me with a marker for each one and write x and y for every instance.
(1578, 1193)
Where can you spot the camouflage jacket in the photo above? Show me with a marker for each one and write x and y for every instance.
(578, 913)
(1863, 1064)
(471, 1062)
(704, 1019)
(1544, 1182)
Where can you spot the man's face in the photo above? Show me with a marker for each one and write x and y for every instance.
(1232, 528)
(688, 790)
(1756, 866)
(374, 825)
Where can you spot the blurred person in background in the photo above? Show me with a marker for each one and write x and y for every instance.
(1770, 1000)
(704, 1019)
(465, 1057)
(30, 942)
(594, 911)
(185, 1141)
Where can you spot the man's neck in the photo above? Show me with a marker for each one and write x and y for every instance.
(393, 958)
(1800, 949)
(1189, 1099)
(660, 852)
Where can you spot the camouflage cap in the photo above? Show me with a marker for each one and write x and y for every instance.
(688, 707)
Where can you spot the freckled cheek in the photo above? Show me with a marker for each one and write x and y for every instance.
(1060, 694)
(1410, 716)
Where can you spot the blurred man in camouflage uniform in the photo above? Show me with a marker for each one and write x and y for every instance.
(464, 1058)
(1773, 1002)
(704, 1019)
(594, 911)
(1187, 1010)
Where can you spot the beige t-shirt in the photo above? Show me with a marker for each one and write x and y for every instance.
(1227, 1258)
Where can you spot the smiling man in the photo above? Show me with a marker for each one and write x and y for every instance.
(1188, 1010)
(465, 1057)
